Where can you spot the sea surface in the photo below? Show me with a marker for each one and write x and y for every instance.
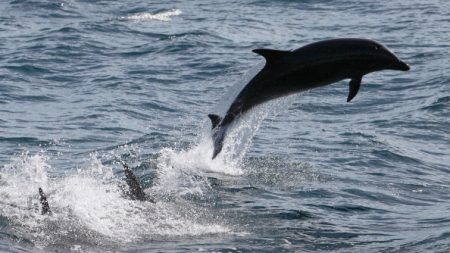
(88, 85)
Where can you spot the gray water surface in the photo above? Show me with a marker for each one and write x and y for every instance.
(86, 85)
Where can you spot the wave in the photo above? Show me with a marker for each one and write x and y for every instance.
(160, 16)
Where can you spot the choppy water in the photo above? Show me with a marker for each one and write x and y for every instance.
(85, 85)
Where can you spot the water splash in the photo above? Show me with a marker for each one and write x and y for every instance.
(89, 207)
(31, 169)
(177, 167)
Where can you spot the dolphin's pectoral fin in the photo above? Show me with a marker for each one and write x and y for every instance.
(354, 84)
(45, 208)
(271, 55)
(215, 120)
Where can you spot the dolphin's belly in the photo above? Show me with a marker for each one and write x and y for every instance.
(305, 78)
(309, 77)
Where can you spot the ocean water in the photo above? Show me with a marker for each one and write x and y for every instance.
(87, 85)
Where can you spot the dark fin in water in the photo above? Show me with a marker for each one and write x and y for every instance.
(45, 208)
(218, 137)
(215, 120)
(271, 55)
(134, 188)
(354, 84)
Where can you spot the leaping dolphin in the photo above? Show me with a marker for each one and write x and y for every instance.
(314, 65)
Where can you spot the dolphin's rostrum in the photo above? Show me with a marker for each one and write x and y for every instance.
(314, 65)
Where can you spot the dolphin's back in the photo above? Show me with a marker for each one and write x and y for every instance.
(335, 48)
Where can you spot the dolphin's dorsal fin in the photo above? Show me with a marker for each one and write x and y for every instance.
(134, 187)
(215, 120)
(354, 85)
(45, 207)
(271, 55)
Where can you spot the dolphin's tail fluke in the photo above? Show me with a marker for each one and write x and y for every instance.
(215, 120)
(218, 133)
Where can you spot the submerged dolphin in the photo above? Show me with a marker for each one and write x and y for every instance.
(311, 66)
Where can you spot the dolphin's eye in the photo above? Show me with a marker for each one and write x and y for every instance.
(377, 47)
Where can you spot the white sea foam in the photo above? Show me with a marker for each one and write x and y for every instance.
(89, 206)
(22, 177)
(160, 16)
(185, 172)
